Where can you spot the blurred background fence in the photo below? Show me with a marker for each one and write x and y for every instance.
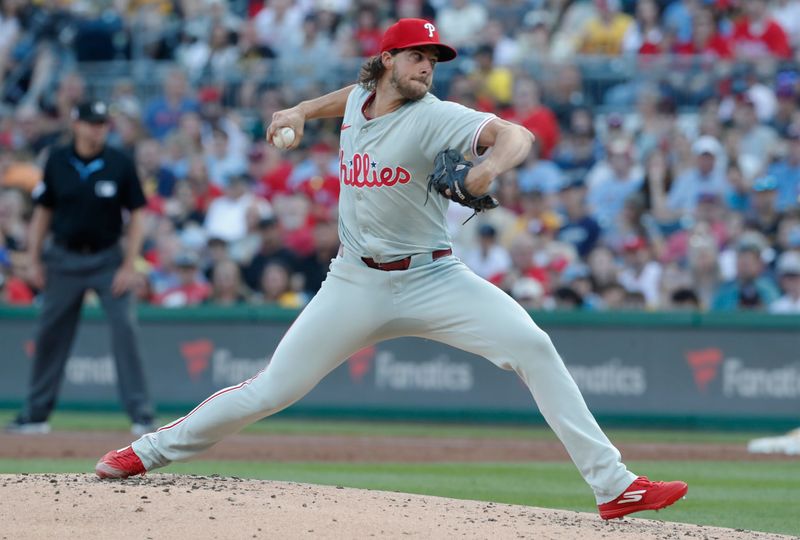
(679, 370)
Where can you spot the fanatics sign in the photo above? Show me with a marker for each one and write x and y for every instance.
(686, 372)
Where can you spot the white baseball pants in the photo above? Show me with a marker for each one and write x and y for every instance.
(358, 306)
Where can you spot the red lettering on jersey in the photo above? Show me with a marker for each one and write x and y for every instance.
(365, 168)
(362, 172)
(403, 175)
(357, 181)
(343, 169)
(386, 177)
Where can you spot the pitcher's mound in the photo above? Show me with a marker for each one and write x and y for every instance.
(174, 507)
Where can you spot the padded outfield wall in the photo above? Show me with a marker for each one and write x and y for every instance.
(681, 369)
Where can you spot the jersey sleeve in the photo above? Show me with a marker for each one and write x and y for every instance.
(355, 100)
(451, 125)
(44, 194)
(132, 195)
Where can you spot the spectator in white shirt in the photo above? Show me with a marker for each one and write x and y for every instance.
(489, 258)
(460, 22)
(641, 274)
(279, 24)
(705, 177)
(221, 162)
(611, 182)
(788, 268)
(529, 293)
(787, 14)
(227, 215)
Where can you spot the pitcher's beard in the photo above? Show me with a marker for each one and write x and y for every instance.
(413, 93)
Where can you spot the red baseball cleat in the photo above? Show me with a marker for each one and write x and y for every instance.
(643, 494)
(120, 463)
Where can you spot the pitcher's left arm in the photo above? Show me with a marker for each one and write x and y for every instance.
(510, 144)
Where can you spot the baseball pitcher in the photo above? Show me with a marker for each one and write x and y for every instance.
(400, 165)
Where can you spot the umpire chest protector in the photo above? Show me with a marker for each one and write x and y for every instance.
(87, 197)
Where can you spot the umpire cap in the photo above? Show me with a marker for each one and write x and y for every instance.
(94, 112)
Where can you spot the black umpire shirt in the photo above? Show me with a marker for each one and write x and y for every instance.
(87, 197)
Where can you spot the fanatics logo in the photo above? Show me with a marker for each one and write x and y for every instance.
(361, 363)
(705, 364)
(197, 355)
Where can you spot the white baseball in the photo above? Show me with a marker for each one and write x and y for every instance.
(283, 137)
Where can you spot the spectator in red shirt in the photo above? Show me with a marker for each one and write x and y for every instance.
(367, 32)
(315, 179)
(706, 40)
(527, 110)
(191, 289)
(523, 264)
(270, 168)
(13, 290)
(202, 188)
(646, 36)
(757, 35)
(294, 216)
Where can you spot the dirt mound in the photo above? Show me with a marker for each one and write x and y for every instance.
(171, 506)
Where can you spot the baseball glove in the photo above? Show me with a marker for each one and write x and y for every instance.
(449, 174)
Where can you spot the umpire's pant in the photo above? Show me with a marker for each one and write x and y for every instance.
(69, 275)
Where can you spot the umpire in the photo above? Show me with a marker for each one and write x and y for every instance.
(86, 187)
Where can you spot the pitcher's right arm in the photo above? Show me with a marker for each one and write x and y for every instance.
(328, 106)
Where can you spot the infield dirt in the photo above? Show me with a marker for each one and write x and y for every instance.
(175, 507)
(375, 449)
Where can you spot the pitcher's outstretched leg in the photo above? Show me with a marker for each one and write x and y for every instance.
(490, 323)
(309, 351)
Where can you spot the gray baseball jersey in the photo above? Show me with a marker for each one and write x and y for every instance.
(384, 164)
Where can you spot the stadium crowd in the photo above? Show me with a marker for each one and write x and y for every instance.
(674, 187)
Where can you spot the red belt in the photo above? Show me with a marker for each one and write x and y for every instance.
(402, 264)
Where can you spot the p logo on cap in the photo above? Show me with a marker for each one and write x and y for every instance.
(408, 33)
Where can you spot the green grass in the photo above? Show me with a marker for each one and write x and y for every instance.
(759, 496)
(750, 495)
(98, 421)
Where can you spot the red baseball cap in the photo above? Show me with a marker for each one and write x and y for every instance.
(407, 33)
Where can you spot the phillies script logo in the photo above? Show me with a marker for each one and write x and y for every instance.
(360, 363)
(197, 355)
(361, 171)
(705, 364)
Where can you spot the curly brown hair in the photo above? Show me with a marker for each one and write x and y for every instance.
(372, 70)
